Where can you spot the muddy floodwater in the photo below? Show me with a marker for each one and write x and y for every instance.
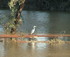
(47, 23)
(37, 50)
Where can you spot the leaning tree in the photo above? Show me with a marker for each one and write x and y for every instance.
(16, 7)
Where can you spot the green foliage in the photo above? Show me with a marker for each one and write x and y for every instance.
(13, 5)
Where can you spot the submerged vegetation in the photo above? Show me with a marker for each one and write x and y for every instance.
(56, 42)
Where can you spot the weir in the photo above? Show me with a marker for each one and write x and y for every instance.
(32, 36)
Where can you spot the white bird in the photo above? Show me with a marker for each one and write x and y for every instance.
(33, 30)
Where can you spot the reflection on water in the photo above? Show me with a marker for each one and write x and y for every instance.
(39, 50)
(47, 23)
(1, 49)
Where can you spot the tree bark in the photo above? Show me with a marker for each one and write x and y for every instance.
(18, 16)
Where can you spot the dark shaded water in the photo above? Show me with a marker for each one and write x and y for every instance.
(47, 23)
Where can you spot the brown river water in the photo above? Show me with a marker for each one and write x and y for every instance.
(47, 23)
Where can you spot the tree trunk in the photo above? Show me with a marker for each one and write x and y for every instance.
(17, 17)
